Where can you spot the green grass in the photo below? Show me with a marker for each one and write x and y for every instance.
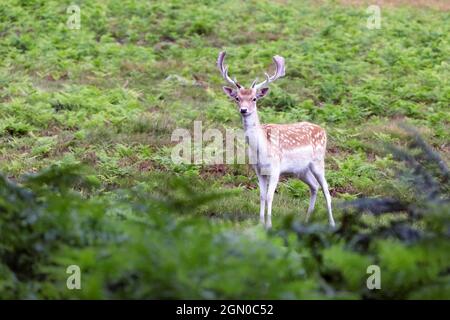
(108, 81)
(110, 94)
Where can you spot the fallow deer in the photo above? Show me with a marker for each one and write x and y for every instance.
(297, 148)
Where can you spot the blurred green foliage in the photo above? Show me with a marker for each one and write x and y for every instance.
(130, 245)
(85, 123)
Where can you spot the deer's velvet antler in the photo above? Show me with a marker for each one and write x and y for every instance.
(279, 72)
(224, 70)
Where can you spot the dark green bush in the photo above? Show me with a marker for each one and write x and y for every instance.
(130, 245)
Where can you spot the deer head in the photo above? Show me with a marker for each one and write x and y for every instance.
(246, 98)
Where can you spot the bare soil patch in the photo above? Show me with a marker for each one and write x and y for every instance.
(432, 4)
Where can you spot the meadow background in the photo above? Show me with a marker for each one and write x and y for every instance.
(86, 118)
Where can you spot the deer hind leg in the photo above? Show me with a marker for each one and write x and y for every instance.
(318, 170)
(262, 181)
(313, 185)
(273, 181)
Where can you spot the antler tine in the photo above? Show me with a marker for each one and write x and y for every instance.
(224, 70)
(279, 72)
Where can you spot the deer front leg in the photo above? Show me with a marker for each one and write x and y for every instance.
(273, 181)
(262, 181)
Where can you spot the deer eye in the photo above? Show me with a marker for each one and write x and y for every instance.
(254, 99)
(237, 99)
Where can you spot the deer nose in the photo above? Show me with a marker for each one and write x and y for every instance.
(243, 110)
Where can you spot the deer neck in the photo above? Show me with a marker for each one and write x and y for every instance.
(256, 138)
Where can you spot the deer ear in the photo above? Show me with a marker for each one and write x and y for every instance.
(230, 92)
(262, 93)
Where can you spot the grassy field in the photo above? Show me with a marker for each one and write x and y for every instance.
(109, 95)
